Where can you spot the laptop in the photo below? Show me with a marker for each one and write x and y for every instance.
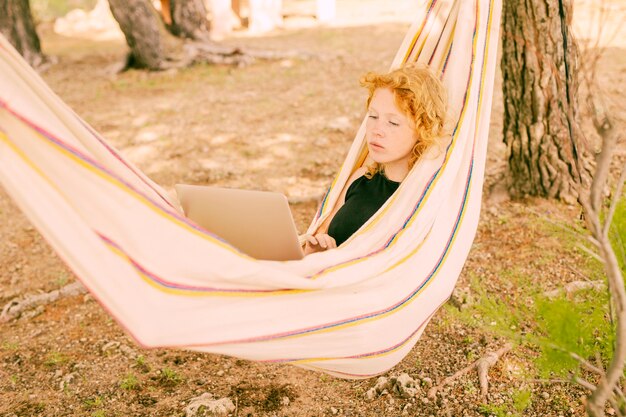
(258, 223)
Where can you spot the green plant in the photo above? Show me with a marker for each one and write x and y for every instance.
(578, 325)
(493, 410)
(129, 383)
(54, 359)
(10, 345)
(169, 378)
(521, 400)
(92, 402)
(50, 9)
(618, 233)
(62, 279)
(141, 363)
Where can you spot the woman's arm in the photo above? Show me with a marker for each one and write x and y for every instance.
(321, 241)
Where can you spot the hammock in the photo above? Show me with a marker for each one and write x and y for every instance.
(353, 312)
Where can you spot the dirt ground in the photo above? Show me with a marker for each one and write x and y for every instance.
(281, 125)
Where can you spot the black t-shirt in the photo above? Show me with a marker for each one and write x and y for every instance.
(363, 198)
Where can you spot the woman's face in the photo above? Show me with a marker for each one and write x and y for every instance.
(389, 132)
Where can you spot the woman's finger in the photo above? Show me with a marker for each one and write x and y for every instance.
(312, 240)
(321, 240)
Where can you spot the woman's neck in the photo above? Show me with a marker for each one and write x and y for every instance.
(396, 171)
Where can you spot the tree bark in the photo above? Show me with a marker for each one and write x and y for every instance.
(151, 45)
(16, 24)
(155, 48)
(222, 21)
(189, 19)
(265, 15)
(539, 68)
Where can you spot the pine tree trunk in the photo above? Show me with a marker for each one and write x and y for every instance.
(189, 19)
(155, 48)
(16, 24)
(539, 68)
(150, 43)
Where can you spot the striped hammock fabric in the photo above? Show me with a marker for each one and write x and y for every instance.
(353, 312)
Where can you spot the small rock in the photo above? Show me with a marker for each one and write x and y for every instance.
(67, 379)
(285, 401)
(405, 386)
(140, 120)
(128, 351)
(220, 373)
(145, 136)
(461, 298)
(382, 386)
(322, 141)
(325, 398)
(427, 381)
(340, 124)
(220, 407)
(545, 395)
(110, 346)
(333, 410)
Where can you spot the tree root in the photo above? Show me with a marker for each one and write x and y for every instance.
(482, 366)
(194, 52)
(575, 286)
(209, 52)
(14, 308)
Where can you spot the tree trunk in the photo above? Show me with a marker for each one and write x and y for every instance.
(189, 19)
(223, 19)
(265, 15)
(155, 48)
(151, 45)
(16, 24)
(539, 68)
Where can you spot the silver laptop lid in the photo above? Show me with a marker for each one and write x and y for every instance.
(258, 223)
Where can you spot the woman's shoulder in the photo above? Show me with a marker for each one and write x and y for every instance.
(348, 187)
(356, 175)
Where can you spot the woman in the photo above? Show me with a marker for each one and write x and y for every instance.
(406, 112)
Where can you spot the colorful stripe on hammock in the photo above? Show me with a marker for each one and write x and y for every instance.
(108, 147)
(362, 318)
(89, 163)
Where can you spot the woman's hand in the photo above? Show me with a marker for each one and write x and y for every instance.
(318, 243)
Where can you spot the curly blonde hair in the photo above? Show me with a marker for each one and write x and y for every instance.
(420, 94)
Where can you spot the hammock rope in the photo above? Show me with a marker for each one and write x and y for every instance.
(353, 312)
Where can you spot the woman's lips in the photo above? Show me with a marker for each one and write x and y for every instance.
(376, 146)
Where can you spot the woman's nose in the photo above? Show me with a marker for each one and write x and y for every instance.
(376, 129)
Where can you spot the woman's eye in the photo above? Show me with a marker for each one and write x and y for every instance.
(371, 116)
(394, 123)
